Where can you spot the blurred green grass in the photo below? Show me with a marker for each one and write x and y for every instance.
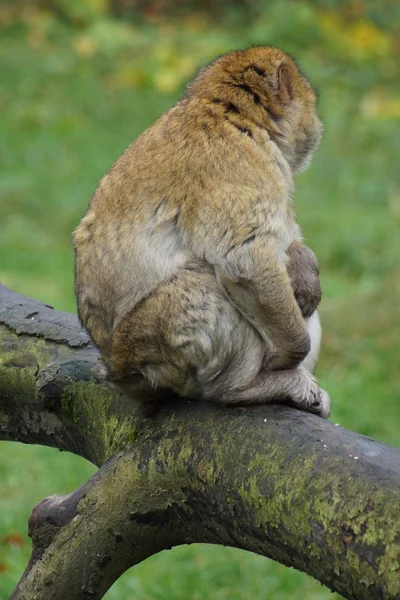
(72, 100)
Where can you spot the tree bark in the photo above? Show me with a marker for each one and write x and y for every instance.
(273, 480)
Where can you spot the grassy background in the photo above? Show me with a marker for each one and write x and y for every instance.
(72, 98)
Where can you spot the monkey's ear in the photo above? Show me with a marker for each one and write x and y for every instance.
(283, 81)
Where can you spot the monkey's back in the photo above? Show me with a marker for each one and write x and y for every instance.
(176, 177)
(126, 244)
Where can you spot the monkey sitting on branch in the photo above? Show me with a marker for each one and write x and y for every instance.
(191, 274)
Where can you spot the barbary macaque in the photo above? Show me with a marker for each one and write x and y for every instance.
(191, 274)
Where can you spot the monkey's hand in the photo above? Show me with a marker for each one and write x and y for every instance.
(303, 271)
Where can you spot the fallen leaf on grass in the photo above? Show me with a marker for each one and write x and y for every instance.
(13, 539)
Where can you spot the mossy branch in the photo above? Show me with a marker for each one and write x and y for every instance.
(272, 480)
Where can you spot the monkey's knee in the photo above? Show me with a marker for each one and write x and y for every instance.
(292, 353)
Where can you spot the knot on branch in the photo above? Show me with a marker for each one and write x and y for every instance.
(56, 510)
(49, 516)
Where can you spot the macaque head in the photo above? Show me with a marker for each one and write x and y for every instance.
(266, 85)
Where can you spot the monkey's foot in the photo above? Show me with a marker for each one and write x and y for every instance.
(319, 403)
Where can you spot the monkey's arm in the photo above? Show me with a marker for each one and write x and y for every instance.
(303, 272)
(260, 288)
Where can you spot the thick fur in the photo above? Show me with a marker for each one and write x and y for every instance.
(189, 260)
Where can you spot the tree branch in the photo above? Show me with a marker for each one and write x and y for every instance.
(271, 479)
(52, 388)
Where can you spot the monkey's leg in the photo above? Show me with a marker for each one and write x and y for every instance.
(295, 387)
